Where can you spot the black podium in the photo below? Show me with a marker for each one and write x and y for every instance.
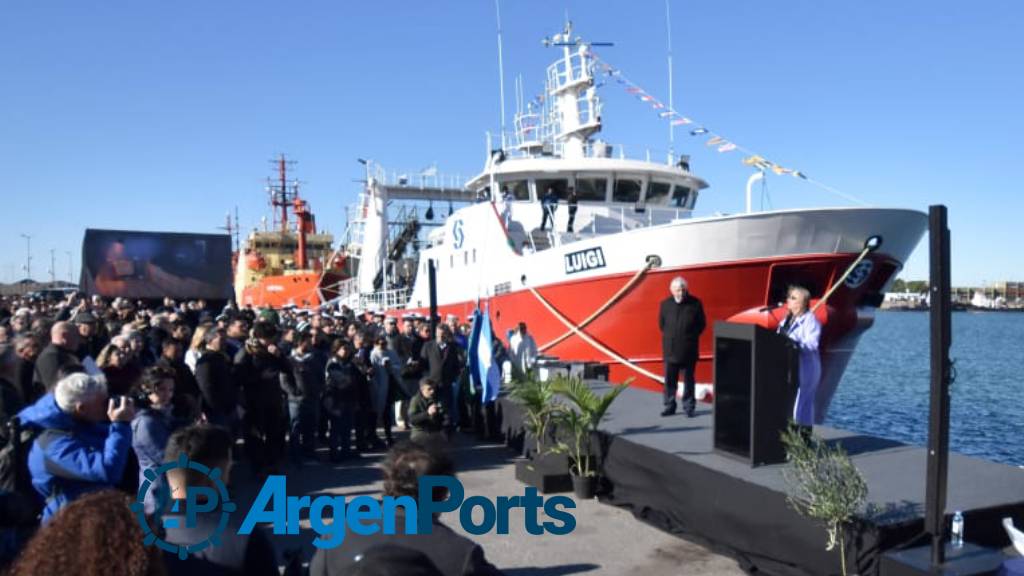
(755, 388)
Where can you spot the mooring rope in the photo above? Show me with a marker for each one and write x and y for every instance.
(849, 270)
(608, 351)
(632, 282)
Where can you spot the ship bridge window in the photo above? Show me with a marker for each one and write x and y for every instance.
(520, 189)
(591, 189)
(561, 186)
(627, 190)
(657, 192)
(680, 196)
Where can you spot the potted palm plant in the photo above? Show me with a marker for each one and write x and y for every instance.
(542, 467)
(579, 421)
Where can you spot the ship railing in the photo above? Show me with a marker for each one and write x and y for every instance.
(547, 146)
(426, 178)
(385, 299)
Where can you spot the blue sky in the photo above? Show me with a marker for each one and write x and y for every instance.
(162, 115)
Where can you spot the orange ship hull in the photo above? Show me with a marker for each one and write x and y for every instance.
(302, 290)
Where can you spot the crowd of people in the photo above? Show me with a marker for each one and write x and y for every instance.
(95, 392)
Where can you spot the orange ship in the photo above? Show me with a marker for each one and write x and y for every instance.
(291, 263)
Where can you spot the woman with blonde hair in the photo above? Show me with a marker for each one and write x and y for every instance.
(197, 346)
(803, 328)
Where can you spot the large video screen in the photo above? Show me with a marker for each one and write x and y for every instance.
(135, 264)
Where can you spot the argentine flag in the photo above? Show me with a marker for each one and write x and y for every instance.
(485, 374)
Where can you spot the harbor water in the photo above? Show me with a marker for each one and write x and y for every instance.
(885, 390)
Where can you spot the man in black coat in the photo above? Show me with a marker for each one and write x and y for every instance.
(58, 356)
(681, 321)
(444, 364)
(258, 368)
(304, 385)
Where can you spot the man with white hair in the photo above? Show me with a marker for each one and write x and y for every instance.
(681, 321)
(82, 443)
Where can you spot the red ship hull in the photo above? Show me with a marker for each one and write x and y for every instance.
(744, 291)
(305, 290)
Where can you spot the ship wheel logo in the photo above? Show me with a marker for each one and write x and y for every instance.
(199, 499)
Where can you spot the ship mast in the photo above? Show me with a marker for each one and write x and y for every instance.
(280, 195)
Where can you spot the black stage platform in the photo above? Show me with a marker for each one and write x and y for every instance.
(665, 471)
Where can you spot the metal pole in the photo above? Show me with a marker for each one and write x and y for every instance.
(501, 74)
(53, 266)
(938, 421)
(671, 103)
(28, 255)
(432, 283)
(70, 267)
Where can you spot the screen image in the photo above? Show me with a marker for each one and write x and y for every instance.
(134, 264)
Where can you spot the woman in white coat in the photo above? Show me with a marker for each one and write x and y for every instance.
(804, 330)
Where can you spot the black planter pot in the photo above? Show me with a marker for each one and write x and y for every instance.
(549, 473)
(584, 487)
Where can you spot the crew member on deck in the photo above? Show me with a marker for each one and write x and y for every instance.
(681, 321)
(803, 328)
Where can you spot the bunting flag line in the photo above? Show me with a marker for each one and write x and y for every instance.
(716, 140)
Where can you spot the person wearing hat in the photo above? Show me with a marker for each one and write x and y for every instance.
(303, 382)
(90, 342)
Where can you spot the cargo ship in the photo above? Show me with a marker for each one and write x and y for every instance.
(290, 262)
(589, 284)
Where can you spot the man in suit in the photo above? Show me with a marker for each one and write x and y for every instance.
(444, 364)
(681, 321)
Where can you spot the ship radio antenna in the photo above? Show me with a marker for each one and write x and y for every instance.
(501, 73)
(671, 103)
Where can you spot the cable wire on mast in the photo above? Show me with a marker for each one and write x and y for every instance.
(501, 73)
(671, 104)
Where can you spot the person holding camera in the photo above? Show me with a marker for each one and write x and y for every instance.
(427, 414)
(153, 425)
(83, 442)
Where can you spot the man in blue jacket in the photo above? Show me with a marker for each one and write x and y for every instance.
(83, 442)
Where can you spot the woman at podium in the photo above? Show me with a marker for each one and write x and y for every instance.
(804, 330)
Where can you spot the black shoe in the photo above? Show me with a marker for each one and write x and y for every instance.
(691, 413)
(668, 411)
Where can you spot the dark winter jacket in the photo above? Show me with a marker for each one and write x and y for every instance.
(150, 431)
(443, 366)
(51, 361)
(24, 380)
(305, 380)
(343, 386)
(681, 326)
(421, 420)
(258, 374)
(72, 457)
(452, 553)
(216, 384)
